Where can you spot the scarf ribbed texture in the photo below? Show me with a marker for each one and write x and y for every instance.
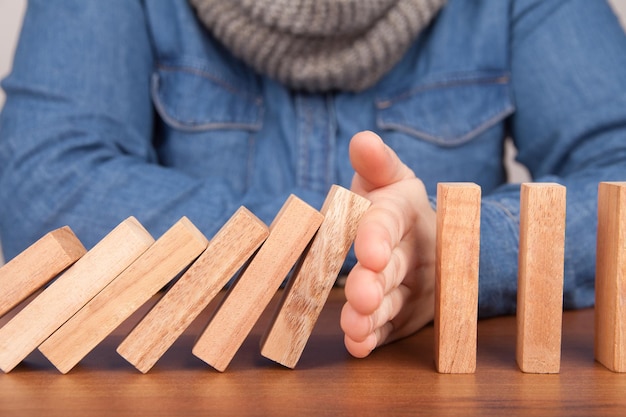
(318, 45)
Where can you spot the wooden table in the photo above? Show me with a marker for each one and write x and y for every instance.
(398, 379)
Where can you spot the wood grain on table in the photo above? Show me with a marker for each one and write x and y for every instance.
(398, 379)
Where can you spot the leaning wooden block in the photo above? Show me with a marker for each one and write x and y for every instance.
(610, 307)
(456, 280)
(315, 275)
(168, 256)
(72, 290)
(540, 277)
(228, 251)
(37, 265)
(290, 233)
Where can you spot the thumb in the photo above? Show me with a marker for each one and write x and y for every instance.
(375, 164)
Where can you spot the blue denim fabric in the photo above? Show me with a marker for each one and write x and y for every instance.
(124, 107)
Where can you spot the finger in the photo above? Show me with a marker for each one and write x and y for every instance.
(393, 213)
(395, 320)
(414, 316)
(355, 325)
(390, 307)
(365, 289)
(403, 260)
(358, 326)
(377, 234)
(360, 349)
(376, 165)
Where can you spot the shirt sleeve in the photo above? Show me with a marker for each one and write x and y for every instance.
(567, 66)
(76, 133)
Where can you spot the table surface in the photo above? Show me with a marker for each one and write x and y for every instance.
(398, 379)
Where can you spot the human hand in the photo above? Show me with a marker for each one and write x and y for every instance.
(390, 291)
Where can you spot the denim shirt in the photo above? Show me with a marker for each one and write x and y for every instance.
(124, 107)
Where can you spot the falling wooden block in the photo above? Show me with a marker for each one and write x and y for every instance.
(72, 290)
(610, 308)
(290, 233)
(314, 277)
(456, 277)
(38, 265)
(540, 277)
(228, 251)
(168, 256)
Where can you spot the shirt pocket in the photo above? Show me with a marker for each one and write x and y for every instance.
(191, 99)
(450, 110)
(209, 122)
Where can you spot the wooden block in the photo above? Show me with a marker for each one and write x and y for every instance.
(314, 277)
(290, 233)
(610, 311)
(168, 256)
(227, 252)
(540, 277)
(456, 281)
(37, 265)
(72, 290)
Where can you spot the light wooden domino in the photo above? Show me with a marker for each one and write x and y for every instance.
(36, 266)
(72, 290)
(227, 252)
(168, 256)
(610, 307)
(540, 277)
(310, 285)
(290, 233)
(456, 277)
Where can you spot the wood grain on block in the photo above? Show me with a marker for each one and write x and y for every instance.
(610, 307)
(71, 291)
(456, 280)
(158, 265)
(540, 277)
(290, 233)
(37, 265)
(314, 277)
(229, 250)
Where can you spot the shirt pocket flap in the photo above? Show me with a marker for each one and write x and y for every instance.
(448, 112)
(193, 100)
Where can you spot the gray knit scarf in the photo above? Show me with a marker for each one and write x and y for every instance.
(318, 45)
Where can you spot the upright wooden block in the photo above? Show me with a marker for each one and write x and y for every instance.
(456, 281)
(540, 277)
(168, 256)
(315, 275)
(610, 309)
(72, 290)
(290, 233)
(227, 252)
(37, 265)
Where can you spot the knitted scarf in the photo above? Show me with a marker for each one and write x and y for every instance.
(318, 45)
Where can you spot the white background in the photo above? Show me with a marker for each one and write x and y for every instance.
(11, 12)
